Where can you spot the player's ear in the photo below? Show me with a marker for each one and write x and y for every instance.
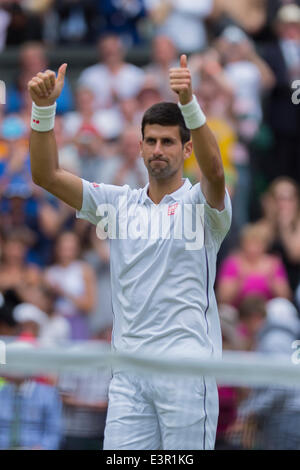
(141, 148)
(187, 149)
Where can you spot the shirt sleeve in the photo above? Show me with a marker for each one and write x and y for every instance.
(218, 222)
(96, 196)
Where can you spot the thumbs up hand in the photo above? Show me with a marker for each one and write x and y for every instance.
(45, 88)
(180, 81)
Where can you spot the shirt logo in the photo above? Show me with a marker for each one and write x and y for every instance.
(172, 208)
(96, 185)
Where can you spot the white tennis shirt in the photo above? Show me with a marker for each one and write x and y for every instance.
(163, 267)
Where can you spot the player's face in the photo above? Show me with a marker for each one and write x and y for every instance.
(162, 150)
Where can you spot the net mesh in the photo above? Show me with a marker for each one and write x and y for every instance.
(258, 395)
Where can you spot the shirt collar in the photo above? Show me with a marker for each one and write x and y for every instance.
(176, 195)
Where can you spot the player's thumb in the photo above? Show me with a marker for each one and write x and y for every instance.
(61, 73)
(183, 61)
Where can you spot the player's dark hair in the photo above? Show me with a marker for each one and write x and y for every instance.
(166, 114)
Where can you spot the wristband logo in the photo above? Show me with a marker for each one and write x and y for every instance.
(2, 92)
(296, 94)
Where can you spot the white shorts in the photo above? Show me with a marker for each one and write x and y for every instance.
(162, 413)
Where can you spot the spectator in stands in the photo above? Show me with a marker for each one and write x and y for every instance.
(33, 60)
(273, 412)
(23, 25)
(8, 325)
(30, 321)
(53, 328)
(216, 96)
(23, 205)
(15, 161)
(251, 271)
(182, 21)
(228, 395)
(281, 220)
(5, 19)
(248, 74)
(128, 168)
(252, 316)
(98, 257)
(248, 14)
(282, 115)
(265, 33)
(149, 94)
(37, 216)
(250, 78)
(122, 19)
(89, 144)
(118, 79)
(15, 273)
(30, 415)
(229, 320)
(84, 409)
(77, 21)
(85, 400)
(73, 282)
(108, 123)
(68, 154)
(164, 57)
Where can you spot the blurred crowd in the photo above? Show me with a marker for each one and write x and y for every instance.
(54, 271)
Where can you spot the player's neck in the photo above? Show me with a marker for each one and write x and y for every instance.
(159, 188)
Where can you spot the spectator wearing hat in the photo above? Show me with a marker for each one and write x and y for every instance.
(53, 328)
(30, 320)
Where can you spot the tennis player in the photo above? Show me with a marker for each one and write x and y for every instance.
(162, 281)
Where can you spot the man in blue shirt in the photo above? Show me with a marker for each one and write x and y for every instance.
(30, 415)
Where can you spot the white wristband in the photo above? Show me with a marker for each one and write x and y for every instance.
(192, 114)
(43, 117)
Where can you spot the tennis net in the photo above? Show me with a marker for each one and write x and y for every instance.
(259, 394)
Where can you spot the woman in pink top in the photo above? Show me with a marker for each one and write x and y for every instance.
(251, 271)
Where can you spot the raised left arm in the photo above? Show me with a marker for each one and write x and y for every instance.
(204, 143)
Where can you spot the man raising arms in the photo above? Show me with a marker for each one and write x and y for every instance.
(162, 291)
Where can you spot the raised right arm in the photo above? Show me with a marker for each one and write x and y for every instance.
(44, 89)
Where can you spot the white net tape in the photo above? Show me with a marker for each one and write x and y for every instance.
(235, 368)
